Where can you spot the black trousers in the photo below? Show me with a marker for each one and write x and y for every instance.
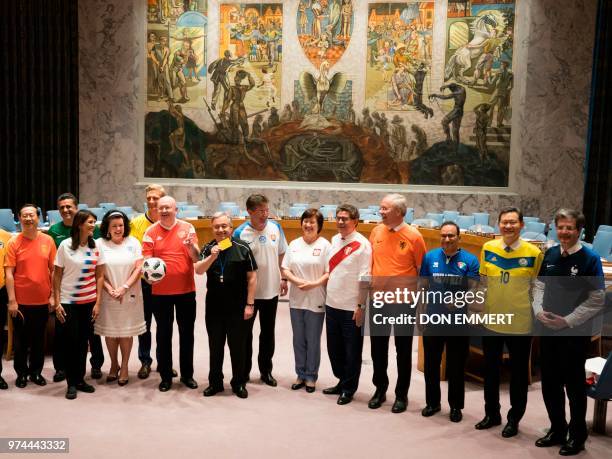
(59, 345)
(3, 312)
(77, 329)
(563, 359)
(219, 328)
(344, 346)
(519, 348)
(266, 309)
(29, 339)
(144, 340)
(379, 347)
(457, 348)
(185, 317)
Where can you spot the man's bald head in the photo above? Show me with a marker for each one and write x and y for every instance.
(166, 207)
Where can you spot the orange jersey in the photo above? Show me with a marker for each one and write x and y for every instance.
(169, 246)
(5, 236)
(33, 263)
(396, 253)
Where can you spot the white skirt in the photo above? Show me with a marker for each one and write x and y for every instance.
(121, 320)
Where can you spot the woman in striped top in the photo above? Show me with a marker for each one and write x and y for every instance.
(77, 279)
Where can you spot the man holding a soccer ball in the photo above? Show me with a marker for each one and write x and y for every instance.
(176, 243)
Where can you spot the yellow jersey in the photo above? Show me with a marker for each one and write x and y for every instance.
(4, 238)
(139, 225)
(509, 279)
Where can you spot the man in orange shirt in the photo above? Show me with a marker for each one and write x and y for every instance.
(28, 268)
(4, 238)
(397, 253)
(175, 242)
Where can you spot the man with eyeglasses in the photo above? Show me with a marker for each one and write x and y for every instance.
(267, 242)
(508, 268)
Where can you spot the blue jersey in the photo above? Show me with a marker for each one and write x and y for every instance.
(448, 274)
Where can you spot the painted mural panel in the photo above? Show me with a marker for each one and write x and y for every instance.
(400, 41)
(324, 29)
(176, 52)
(250, 39)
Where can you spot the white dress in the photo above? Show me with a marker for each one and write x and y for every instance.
(125, 319)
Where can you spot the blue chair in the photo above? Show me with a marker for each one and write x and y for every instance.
(227, 203)
(191, 207)
(190, 214)
(604, 228)
(375, 208)
(531, 219)
(82, 205)
(234, 210)
(7, 220)
(602, 244)
(328, 210)
(534, 227)
(438, 218)
(53, 216)
(552, 232)
(98, 212)
(425, 222)
(533, 236)
(450, 216)
(296, 211)
(484, 229)
(481, 218)
(601, 393)
(409, 217)
(107, 206)
(465, 221)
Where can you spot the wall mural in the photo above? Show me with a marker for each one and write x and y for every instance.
(408, 130)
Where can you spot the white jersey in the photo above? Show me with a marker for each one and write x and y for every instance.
(79, 276)
(267, 245)
(349, 261)
(308, 262)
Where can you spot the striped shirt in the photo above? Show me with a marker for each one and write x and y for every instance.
(79, 277)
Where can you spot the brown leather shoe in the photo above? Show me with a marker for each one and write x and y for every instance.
(145, 371)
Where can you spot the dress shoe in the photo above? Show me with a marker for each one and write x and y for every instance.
(269, 379)
(123, 382)
(38, 380)
(510, 429)
(430, 410)
(345, 398)
(165, 386)
(144, 372)
(310, 387)
(488, 422)
(399, 405)
(334, 390)
(212, 390)
(96, 373)
(551, 439)
(84, 387)
(240, 391)
(455, 415)
(21, 381)
(3, 384)
(59, 376)
(297, 385)
(71, 393)
(112, 376)
(377, 399)
(571, 448)
(190, 383)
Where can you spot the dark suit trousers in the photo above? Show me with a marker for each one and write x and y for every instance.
(266, 309)
(3, 312)
(78, 327)
(519, 348)
(344, 346)
(456, 356)
(29, 339)
(164, 311)
(563, 359)
(380, 360)
(219, 328)
(59, 345)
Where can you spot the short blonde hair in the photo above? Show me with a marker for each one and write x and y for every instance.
(156, 187)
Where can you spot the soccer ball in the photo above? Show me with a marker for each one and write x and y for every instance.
(153, 269)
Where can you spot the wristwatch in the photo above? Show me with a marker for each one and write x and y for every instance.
(361, 306)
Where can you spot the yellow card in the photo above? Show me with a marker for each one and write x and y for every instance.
(225, 244)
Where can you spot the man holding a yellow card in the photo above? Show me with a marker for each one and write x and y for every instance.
(230, 302)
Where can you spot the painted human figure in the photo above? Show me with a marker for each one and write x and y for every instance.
(218, 71)
(455, 116)
(419, 78)
(235, 101)
(347, 13)
(177, 137)
(483, 119)
(503, 82)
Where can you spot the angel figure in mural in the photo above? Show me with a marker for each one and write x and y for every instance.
(454, 117)
(318, 89)
(484, 29)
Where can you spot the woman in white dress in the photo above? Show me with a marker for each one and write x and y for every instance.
(121, 309)
(305, 266)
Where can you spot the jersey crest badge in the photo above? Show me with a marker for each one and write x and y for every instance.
(574, 270)
(522, 262)
(316, 252)
(461, 265)
(402, 245)
(262, 239)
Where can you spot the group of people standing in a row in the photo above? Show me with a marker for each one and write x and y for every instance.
(86, 281)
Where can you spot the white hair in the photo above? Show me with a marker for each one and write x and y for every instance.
(399, 202)
(219, 215)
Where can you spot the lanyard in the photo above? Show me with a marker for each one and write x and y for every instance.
(222, 266)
